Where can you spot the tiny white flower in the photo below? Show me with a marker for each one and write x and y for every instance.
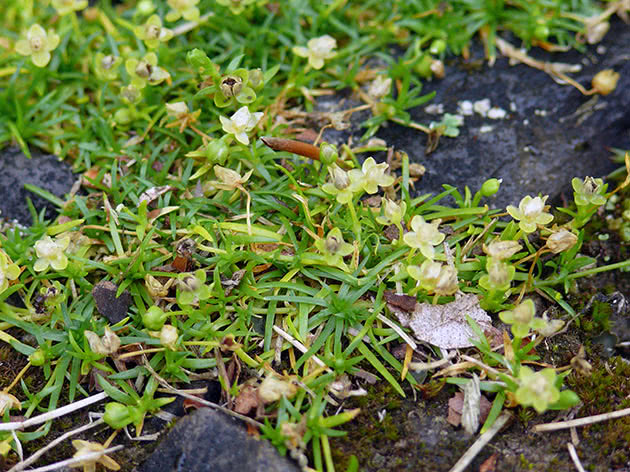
(317, 50)
(8, 402)
(8, 271)
(50, 253)
(185, 8)
(64, 7)
(371, 176)
(380, 87)
(424, 236)
(530, 213)
(176, 109)
(38, 44)
(241, 123)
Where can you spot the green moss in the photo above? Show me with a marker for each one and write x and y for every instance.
(607, 389)
(600, 318)
(525, 464)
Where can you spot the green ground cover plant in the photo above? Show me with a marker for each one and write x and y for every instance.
(266, 269)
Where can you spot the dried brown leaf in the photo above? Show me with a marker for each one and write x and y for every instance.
(403, 302)
(456, 407)
(445, 325)
(490, 464)
(247, 400)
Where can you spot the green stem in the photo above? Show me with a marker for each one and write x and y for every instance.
(400, 232)
(330, 466)
(356, 226)
(75, 26)
(584, 273)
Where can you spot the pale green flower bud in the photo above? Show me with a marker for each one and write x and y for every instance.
(447, 282)
(38, 358)
(605, 81)
(437, 47)
(561, 241)
(145, 7)
(393, 213)
(490, 187)
(116, 415)
(168, 337)
(255, 78)
(328, 154)
(502, 249)
(154, 318)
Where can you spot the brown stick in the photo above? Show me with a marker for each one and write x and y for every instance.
(291, 145)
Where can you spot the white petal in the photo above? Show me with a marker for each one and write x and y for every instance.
(241, 118)
(242, 138)
(228, 126)
(254, 119)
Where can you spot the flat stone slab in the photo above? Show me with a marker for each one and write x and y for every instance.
(550, 134)
(209, 441)
(44, 171)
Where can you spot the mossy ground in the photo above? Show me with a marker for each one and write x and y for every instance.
(414, 434)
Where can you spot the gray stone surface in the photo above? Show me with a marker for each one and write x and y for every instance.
(209, 441)
(541, 145)
(44, 171)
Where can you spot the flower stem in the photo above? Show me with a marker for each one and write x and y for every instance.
(75, 26)
(356, 226)
(583, 273)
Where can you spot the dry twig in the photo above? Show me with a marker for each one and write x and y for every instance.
(581, 421)
(480, 443)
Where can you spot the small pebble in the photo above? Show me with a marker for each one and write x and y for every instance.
(496, 113)
(465, 108)
(434, 109)
(482, 106)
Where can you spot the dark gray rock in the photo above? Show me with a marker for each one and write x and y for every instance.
(44, 171)
(111, 307)
(209, 441)
(543, 143)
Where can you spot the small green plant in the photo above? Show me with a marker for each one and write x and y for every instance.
(228, 252)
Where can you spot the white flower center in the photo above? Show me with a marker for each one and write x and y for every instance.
(538, 385)
(153, 32)
(36, 43)
(107, 62)
(47, 249)
(533, 207)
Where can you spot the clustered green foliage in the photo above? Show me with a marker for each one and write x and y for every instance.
(232, 252)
